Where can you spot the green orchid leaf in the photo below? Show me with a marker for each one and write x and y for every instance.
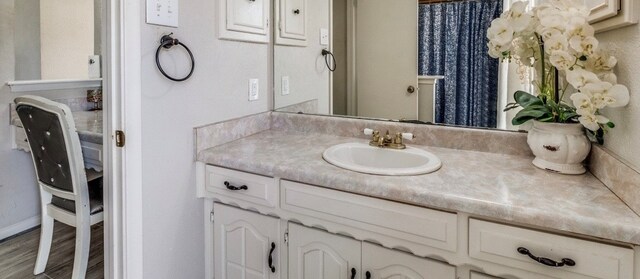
(525, 99)
(611, 125)
(511, 106)
(529, 114)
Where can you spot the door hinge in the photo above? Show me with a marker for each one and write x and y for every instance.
(286, 237)
(120, 138)
(211, 216)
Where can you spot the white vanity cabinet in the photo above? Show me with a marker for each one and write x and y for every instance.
(410, 241)
(244, 20)
(246, 244)
(291, 17)
(382, 263)
(314, 254)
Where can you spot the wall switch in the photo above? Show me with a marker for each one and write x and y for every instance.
(253, 89)
(324, 36)
(285, 85)
(163, 12)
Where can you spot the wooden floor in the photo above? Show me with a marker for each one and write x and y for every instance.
(18, 254)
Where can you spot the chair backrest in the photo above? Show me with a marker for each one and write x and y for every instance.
(55, 147)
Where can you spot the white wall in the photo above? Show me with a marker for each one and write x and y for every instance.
(623, 139)
(19, 198)
(173, 231)
(305, 66)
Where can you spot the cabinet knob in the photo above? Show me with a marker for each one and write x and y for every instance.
(296, 11)
(411, 89)
(353, 273)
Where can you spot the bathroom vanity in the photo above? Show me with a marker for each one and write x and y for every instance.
(275, 209)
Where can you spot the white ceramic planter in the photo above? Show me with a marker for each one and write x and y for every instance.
(559, 147)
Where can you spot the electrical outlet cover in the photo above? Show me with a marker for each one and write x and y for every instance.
(253, 89)
(285, 85)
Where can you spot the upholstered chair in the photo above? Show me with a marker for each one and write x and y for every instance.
(68, 193)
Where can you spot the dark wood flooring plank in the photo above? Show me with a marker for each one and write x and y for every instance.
(18, 255)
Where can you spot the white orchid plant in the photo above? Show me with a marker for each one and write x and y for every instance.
(556, 39)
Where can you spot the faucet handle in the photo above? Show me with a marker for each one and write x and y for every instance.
(408, 136)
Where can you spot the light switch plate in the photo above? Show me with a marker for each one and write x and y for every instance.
(253, 89)
(94, 66)
(324, 36)
(163, 12)
(285, 85)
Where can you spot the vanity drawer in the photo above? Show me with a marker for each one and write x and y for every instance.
(499, 244)
(243, 186)
(414, 224)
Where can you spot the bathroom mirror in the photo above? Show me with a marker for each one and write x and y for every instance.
(406, 60)
(57, 39)
(424, 61)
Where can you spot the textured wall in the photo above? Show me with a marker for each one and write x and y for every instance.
(624, 139)
(305, 66)
(173, 229)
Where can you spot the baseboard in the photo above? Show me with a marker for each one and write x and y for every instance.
(19, 227)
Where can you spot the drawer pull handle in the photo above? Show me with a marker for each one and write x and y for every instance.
(235, 188)
(353, 273)
(273, 247)
(367, 275)
(546, 261)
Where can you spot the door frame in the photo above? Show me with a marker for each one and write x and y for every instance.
(122, 165)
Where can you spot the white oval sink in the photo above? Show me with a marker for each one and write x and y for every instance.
(362, 157)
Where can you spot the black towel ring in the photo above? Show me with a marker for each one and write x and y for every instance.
(326, 55)
(168, 42)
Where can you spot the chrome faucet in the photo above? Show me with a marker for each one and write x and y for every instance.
(387, 141)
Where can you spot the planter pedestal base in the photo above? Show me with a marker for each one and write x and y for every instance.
(560, 168)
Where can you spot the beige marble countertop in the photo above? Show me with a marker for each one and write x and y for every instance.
(503, 187)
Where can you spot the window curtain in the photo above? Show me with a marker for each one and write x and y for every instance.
(452, 42)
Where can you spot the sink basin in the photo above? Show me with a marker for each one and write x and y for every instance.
(362, 157)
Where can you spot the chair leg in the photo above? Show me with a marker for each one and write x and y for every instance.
(46, 235)
(81, 257)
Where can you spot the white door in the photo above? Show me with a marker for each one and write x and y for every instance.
(315, 254)
(381, 263)
(387, 58)
(246, 244)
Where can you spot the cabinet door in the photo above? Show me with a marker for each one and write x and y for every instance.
(243, 244)
(315, 254)
(293, 14)
(244, 20)
(382, 263)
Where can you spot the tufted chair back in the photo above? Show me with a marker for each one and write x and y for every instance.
(55, 146)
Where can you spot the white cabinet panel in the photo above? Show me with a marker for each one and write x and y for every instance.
(382, 263)
(314, 254)
(243, 243)
(292, 22)
(242, 186)
(244, 20)
(502, 244)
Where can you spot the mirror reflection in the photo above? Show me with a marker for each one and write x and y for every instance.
(57, 39)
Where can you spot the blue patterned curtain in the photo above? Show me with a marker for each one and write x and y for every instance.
(452, 43)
